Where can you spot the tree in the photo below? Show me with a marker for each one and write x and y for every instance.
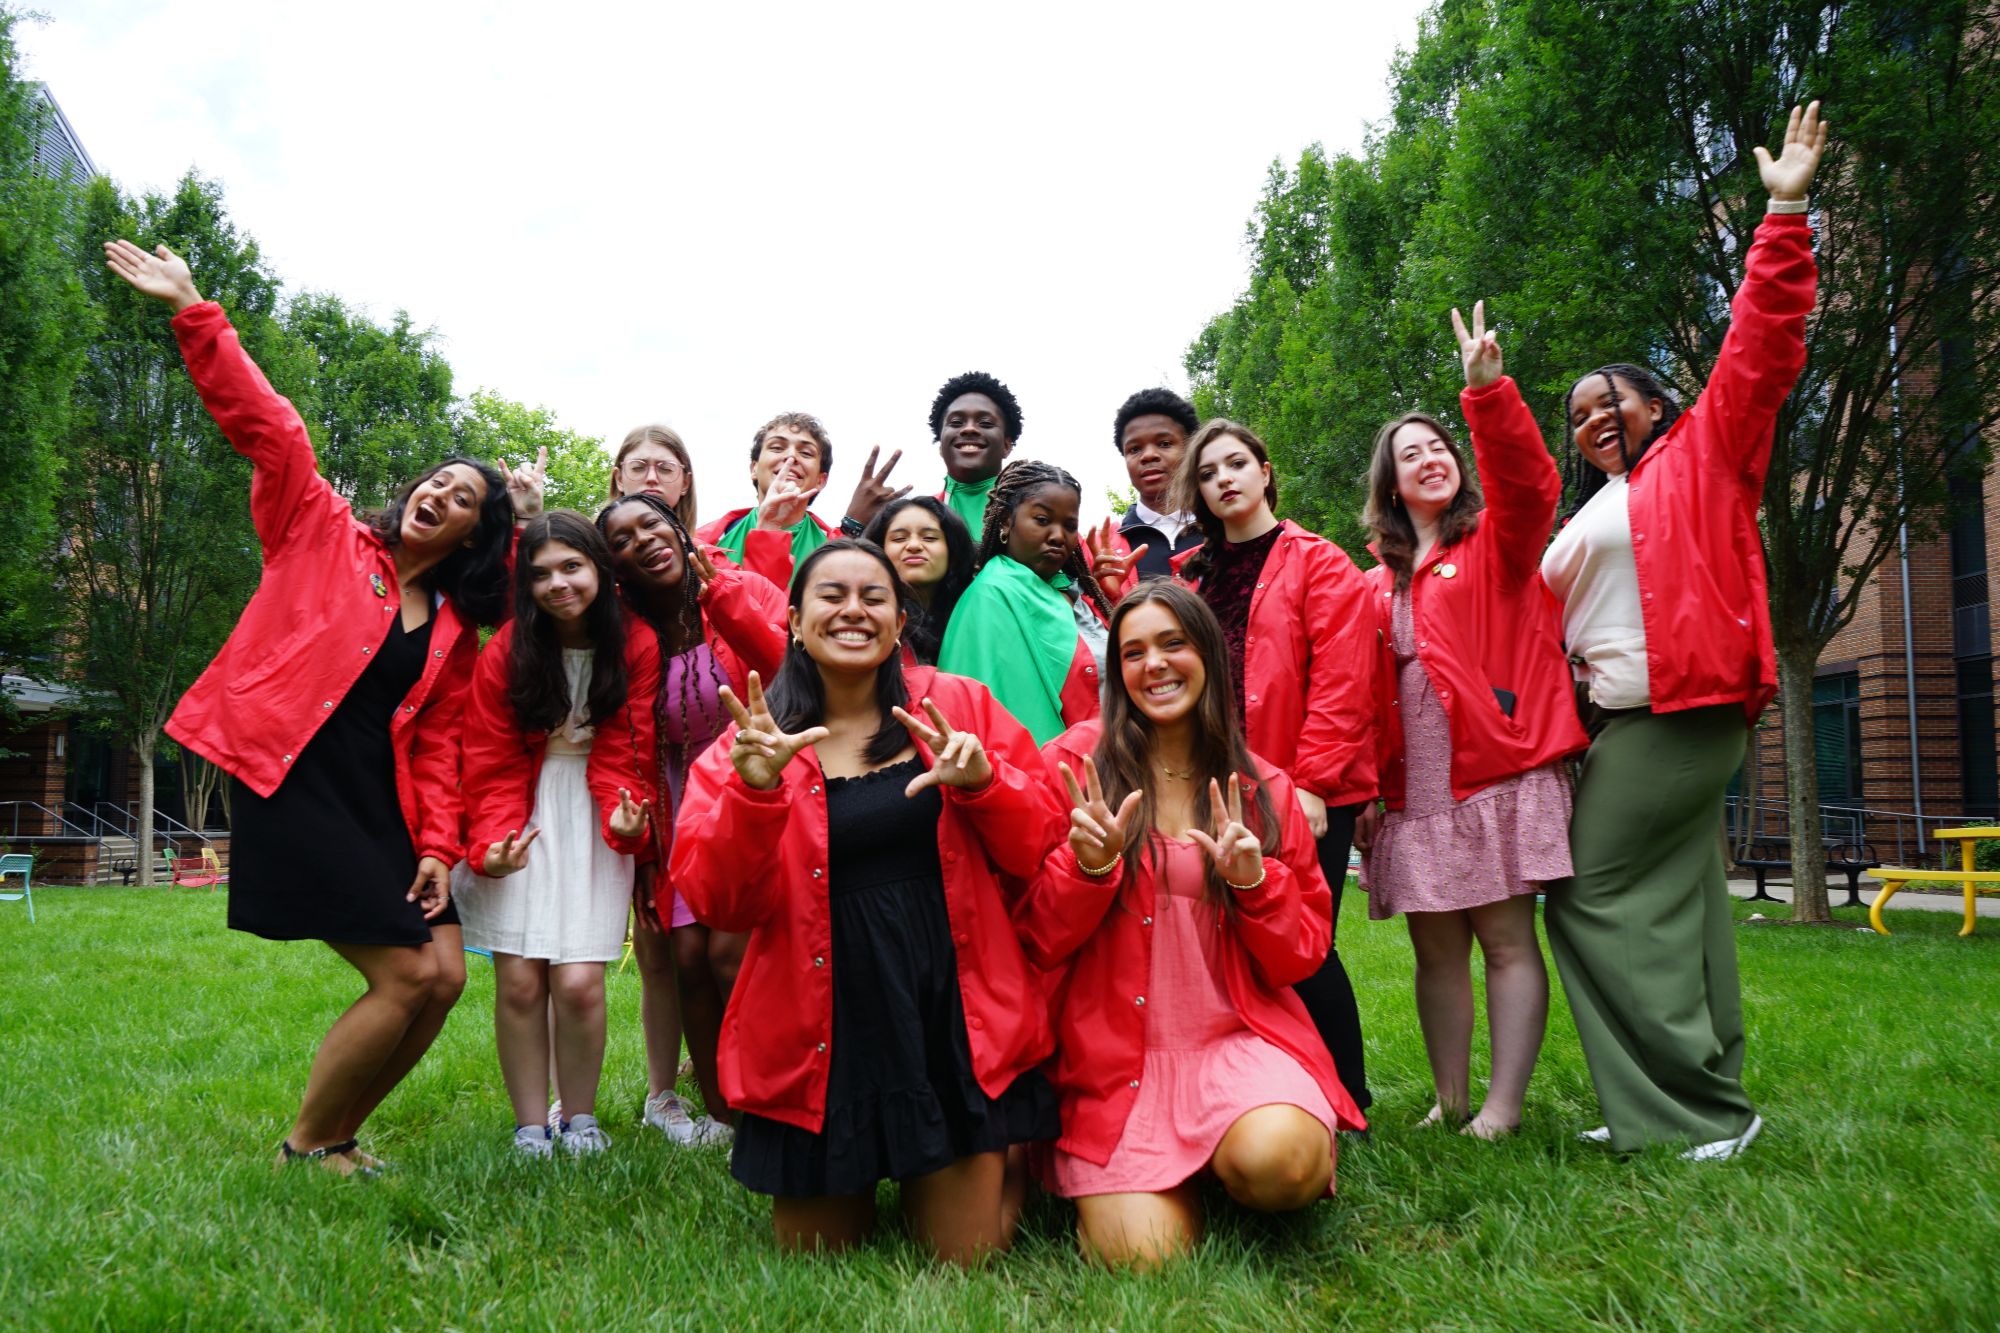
(491, 427)
(1586, 169)
(161, 554)
(45, 328)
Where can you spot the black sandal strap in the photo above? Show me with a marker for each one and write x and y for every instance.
(316, 1154)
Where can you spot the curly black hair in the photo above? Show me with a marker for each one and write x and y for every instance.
(977, 381)
(1154, 402)
(1017, 481)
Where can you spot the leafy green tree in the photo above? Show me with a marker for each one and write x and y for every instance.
(45, 328)
(492, 427)
(161, 556)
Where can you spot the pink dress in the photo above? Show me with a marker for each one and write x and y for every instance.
(1438, 854)
(1204, 1067)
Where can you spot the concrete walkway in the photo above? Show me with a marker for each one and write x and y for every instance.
(1907, 900)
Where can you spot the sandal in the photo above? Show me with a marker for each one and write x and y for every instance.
(289, 1154)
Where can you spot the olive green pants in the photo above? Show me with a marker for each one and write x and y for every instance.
(1642, 934)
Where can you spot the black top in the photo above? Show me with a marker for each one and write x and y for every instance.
(1228, 587)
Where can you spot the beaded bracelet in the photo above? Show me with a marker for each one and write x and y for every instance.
(1255, 883)
(1102, 871)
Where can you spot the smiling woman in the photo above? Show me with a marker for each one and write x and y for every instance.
(334, 707)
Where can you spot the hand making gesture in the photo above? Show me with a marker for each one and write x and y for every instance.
(1107, 566)
(1479, 349)
(629, 820)
(784, 504)
(957, 757)
(508, 855)
(699, 562)
(431, 889)
(760, 751)
(527, 484)
(1790, 174)
(872, 492)
(162, 275)
(1096, 834)
(1238, 855)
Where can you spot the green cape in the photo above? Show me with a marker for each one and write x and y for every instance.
(807, 536)
(967, 499)
(1015, 633)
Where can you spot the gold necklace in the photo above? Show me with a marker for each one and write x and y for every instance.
(1177, 777)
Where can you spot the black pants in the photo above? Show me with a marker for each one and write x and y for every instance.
(1328, 995)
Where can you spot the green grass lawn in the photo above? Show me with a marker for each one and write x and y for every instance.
(150, 1060)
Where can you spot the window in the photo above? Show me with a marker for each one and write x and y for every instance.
(1837, 737)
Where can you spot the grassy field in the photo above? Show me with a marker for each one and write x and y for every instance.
(151, 1060)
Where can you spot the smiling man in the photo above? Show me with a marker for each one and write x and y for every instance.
(790, 456)
(975, 421)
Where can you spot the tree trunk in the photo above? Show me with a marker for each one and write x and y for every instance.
(1795, 678)
(199, 780)
(142, 750)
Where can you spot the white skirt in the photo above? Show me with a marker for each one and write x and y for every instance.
(570, 902)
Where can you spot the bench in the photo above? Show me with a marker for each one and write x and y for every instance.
(1975, 881)
(205, 873)
(1774, 856)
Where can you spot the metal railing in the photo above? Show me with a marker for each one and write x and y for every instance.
(12, 811)
(1899, 837)
(164, 825)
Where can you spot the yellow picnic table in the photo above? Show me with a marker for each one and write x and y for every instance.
(1976, 882)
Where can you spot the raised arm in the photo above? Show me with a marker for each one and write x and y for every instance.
(1286, 920)
(1519, 478)
(1765, 348)
(1068, 897)
(286, 491)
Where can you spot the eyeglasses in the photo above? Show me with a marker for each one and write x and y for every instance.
(638, 469)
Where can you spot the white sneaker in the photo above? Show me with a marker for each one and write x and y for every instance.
(712, 1133)
(666, 1112)
(533, 1141)
(1724, 1149)
(581, 1136)
(1602, 1134)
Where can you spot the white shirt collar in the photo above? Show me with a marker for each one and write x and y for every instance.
(1170, 525)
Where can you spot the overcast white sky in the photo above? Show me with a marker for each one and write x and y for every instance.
(705, 215)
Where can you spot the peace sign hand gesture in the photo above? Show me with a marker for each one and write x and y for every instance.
(872, 493)
(1791, 174)
(960, 760)
(1237, 854)
(629, 820)
(1107, 566)
(761, 751)
(1096, 834)
(527, 484)
(162, 275)
(506, 856)
(1479, 349)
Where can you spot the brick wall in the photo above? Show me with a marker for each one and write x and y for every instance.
(35, 773)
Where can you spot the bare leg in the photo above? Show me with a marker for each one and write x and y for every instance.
(1275, 1158)
(1013, 1193)
(400, 981)
(1442, 942)
(701, 1011)
(578, 990)
(1138, 1230)
(725, 960)
(521, 1030)
(1517, 1008)
(555, 1073)
(829, 1224)
(659, 1005)
(447, 949)
(955, 1211)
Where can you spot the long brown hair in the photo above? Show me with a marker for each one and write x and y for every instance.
(1124, 754)
(669, 439)
(1185, 491)
(1385, 514)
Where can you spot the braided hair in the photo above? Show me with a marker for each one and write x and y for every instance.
(1586, 479)
(1016, 482)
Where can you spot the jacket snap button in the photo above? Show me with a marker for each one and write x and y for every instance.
(1135, 1082)
(288, 759)
(964, 938)
(978, 1022)
(1145, 921)
(366, 651)
(1649, 597)
(439, 652)
(1090, 671)
(815, 791)
(1253, 698)
(326, 703)
(1139, 1000)
(815, 872)
(1444, 694)
(1260, 585)
(822, 1047)
(819, 962)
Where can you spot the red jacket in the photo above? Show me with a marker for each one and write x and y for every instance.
(1491, 621)
(756, 860)
(1694, 495)
(1277, 936)
(319, 613)
(503, 763)
(1309, 691)
(764, 552)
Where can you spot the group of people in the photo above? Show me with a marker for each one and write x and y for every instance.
(968, 845)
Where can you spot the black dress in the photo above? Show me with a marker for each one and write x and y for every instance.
(327, 856)
(901, 1097)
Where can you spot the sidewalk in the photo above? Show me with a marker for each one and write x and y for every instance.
(1952, 901)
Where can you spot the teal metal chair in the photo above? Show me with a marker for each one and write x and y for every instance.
(24, 866)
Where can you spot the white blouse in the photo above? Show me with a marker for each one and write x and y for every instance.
(1590, 567)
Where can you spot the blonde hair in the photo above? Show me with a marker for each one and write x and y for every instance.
(669, 439)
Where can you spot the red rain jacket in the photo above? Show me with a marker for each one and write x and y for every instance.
(1694, 496)
(1309, 691)
(766, 553)
(503, 763)
(319, 613)
(1277, 936)
(1484, 618)
(756, 861)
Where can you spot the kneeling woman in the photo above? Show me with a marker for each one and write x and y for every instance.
(1184, 923)
(714, 626)
(558, 732)
(885, 1024)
